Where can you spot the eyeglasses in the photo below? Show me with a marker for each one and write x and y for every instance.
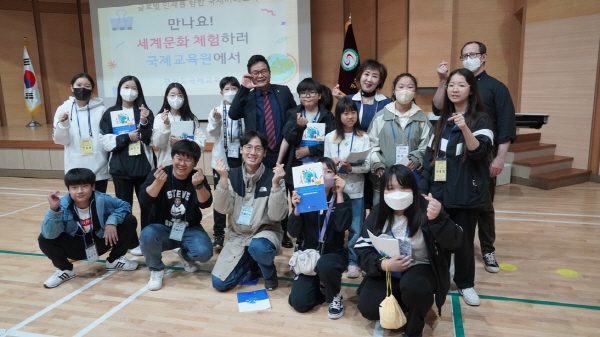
(181, 160)
(248, 148)
(263, 72)
(470, 55)
(308, 94)
(459, 86)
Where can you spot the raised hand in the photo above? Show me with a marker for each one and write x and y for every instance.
(339, 184)
(278, 174)
(144, 113)
(295, 201)
(63, 117)
(165, 117)
(247, 81)
(459, 120)
(221, 169)
(301, 121)
(160, 175)
(54, 200)
(434, 207)
(337, 93)
(216, 115)
(198, 177)
(442, 71)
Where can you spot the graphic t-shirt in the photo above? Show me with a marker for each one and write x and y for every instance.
(85, 218)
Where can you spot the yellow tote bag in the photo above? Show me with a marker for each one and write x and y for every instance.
(391, 315)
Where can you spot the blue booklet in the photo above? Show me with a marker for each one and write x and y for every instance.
(123, 121)
(253, 300)
(313, 135)
(308, 182)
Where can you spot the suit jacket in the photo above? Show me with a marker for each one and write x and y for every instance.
(244, 106)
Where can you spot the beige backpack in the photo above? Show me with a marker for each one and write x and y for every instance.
(391, 315)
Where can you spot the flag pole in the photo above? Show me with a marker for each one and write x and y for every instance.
(32, 123)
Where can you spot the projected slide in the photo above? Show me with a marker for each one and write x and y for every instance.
(196, 43)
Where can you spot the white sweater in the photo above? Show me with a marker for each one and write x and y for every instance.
(67, 134)
(215, 129)
(161, 135)
(355, 183)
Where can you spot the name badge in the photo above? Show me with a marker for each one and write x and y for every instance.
(233, 150)
(405, 248)
(440, 170)
(86, 147)
(177, 230)
(91, 253)
(135, 149)
(245, 216)
(401, 153)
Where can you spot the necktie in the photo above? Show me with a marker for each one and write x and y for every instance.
(269, 123)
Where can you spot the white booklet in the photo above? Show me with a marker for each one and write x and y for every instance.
(183, 129)
(386, 247)
(358, 157)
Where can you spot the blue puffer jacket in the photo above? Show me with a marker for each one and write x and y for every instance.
(109, 210)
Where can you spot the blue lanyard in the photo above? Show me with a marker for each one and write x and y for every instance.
(316, 116)
(91, 224)
(89, 119)
(408, 128)
(351, 142)
(230, 133)
(170, 113)
(187, 202)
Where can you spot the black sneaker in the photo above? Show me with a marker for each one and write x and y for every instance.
(336, 307)
(491, 265)
(272, 282)
(286, 242)
(218, 241)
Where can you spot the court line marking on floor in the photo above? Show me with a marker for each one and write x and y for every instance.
(24, 194)
(59, 302)
(552, 221)
(22, 334)
(355, 285)
(459, 329)
(23, 209)
(118, 307)
(545, 214)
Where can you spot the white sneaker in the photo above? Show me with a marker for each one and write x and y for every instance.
(122, 263)
(137, 251)
(59, 277)
(156, 279)
(189, 266)
(470, 296)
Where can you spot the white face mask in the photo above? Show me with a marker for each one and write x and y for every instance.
(398, 200)
(175, 101)
(472, 64)
(404, 96)
(228, 96)
(129, 95)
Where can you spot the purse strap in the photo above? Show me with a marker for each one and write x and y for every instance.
(324, 229)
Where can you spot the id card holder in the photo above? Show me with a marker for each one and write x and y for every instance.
(135, 149)
(177, 230)
(401, 153)
(91, 253)
(86, 147)
(440, 170)
(233, 150)
(405, 248)
(245, 216)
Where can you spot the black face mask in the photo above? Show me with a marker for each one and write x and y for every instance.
(82, 94)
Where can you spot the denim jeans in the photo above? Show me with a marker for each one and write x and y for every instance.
(355, 229)
(260, 250)
(195, 244)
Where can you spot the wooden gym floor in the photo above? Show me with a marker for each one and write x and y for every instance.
(548, 244)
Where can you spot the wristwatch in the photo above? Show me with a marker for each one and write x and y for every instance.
(199, 186)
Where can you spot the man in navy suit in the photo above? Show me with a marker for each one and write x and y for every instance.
(263, 107)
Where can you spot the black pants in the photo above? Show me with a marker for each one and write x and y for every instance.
(306, 293)
(414, 291)
(124, 190)
(101, 185)
(464, 259)
(487, 221)
(221, 219)
(66, 247)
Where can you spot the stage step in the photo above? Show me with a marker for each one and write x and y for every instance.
(524, 168)
(554, 179)
(522, 151)
(528, 138)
